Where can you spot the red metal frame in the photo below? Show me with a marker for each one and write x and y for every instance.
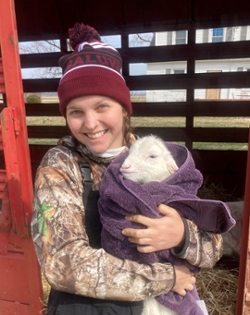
(243, 298)
(20, 289)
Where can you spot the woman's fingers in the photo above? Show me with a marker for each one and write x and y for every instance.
(134, 234)
(185, 280)
(146, 249)
(139, 235)
(160, 233)
(141, 219)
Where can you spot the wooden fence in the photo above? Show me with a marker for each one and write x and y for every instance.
(222, 167)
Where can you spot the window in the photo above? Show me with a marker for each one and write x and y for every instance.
(217, 35)
(180, 37)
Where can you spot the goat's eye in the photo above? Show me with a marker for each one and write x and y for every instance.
(153, 156)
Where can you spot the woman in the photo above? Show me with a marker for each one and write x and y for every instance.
(85, 279)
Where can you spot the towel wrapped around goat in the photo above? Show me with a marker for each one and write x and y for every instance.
(120, 197)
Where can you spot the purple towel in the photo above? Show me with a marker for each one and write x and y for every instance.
(120, 197)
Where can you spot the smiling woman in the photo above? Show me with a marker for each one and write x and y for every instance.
(95, 101)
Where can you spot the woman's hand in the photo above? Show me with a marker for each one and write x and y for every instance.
(161, 233)
(184, 280)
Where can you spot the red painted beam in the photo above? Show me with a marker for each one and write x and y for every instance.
(243, 298)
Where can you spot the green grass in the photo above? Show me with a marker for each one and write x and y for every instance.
(45, 121)
(220, 146)
(43, 141)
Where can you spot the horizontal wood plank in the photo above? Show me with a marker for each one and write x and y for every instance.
(190, 81)
(40, 60)
(156, 82)
(177, 109)
(206, 51)
(42, 109)
(237, 135)
(200, 108)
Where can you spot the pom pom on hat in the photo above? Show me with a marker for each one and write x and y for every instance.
(94, 68)
(82, 33)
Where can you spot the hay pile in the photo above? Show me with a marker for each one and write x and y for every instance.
(218, 288)
(216, 192)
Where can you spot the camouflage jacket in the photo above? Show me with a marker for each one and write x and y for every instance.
(68, 262)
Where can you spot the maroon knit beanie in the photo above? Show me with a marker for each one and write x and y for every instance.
(94, 68)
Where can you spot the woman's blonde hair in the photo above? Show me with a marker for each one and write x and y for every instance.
(128, 136)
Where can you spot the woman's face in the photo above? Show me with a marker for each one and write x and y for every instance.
(96, 121)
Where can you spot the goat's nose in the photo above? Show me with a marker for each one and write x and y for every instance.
(125, 166)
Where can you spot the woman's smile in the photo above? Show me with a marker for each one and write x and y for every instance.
(96, 135)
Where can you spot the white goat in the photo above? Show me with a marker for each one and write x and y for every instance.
(148, 160)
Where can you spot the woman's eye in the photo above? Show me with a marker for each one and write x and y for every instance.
(102, 106)
(76, 112)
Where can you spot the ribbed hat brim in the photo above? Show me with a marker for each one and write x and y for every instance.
(93, 81)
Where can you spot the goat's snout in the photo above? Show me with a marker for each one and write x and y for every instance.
(125, 167)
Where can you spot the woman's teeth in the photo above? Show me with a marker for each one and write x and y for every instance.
(96, 135)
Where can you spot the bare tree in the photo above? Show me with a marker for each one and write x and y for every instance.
(41, 47)
(140, 40)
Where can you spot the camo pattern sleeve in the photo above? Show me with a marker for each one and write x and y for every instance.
(67, 261)
(204, 249)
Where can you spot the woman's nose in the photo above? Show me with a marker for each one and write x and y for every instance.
(90, 121)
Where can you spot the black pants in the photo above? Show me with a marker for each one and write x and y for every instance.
(61, 303)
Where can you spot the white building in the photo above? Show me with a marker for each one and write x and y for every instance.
(240, 33)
